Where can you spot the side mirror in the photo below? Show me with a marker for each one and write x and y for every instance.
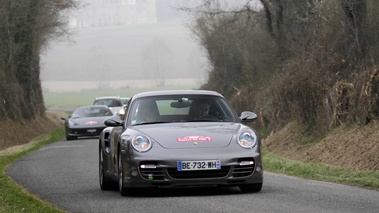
(248, 116)
(113, 121)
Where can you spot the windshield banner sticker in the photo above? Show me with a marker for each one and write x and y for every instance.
(194, 138)
(91, 122)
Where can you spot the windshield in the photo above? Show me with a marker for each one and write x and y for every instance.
(93, 111)
(168, 109)
(110, 102)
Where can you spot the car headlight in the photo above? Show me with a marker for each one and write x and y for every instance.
(72, 123)
(141, 143)
(247, 139)
(121, 112)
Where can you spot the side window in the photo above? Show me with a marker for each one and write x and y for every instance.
(145, 111)
(133, 113)
(126, 109)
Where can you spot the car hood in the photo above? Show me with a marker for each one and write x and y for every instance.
(91, 121)
(191, 135)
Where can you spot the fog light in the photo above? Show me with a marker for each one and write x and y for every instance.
(134, 173)
(258, 168)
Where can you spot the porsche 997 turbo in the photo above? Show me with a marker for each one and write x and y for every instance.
(180, 138)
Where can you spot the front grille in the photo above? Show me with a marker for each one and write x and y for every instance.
(88, 131)
(223, 172)
(236, 171)
(152, 174)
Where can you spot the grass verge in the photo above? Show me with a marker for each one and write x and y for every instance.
(321, 172)
(13, 198)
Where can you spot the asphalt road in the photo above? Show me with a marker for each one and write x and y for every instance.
(65, 174)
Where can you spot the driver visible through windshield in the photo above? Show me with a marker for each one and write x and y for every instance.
(169, 109)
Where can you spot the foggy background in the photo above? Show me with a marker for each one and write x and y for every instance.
(134, 55)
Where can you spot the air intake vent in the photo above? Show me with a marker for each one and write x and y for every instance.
(244, 170)
(223, 172)
(151, 173)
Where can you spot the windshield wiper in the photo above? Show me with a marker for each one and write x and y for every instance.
(154, 122)
(202, 120)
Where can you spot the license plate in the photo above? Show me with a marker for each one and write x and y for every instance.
(91, 130)
(198, 165)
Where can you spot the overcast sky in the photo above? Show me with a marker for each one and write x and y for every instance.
(122, 52)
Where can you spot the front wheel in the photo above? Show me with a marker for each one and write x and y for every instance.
(121, 187)
(105, 183)
(247, 188)
(69, 138)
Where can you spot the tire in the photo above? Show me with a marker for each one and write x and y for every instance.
(69, 138)
(121, 188)
(105, 183)
(248, 188)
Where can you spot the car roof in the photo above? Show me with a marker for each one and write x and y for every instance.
(108, 97)
(92, 106)
(177, 92)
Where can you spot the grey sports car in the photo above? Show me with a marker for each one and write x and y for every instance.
(180, 138)
(86, 121)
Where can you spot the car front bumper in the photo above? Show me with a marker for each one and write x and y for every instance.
(163, 172)
(84, 132)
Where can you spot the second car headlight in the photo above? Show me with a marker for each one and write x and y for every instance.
(141, 143)
(247, 139)
(121, 112)
(72, 123)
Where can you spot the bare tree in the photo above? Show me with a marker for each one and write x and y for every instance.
(355, 23)
(156, 60)
(197, 64)
(98, 64)
(232, 35)
(286, 21)
(311, 46)
(26, 26)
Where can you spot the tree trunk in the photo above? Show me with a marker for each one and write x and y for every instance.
(355, 20)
